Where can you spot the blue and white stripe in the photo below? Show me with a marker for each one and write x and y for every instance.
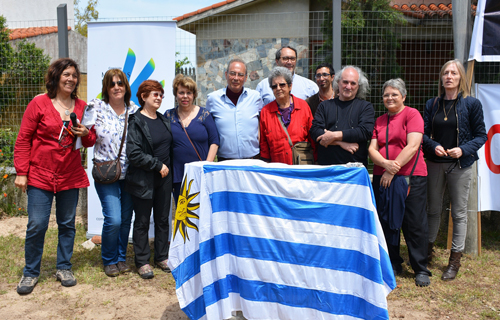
(284, 242)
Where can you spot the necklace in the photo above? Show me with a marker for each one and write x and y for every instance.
(447, 113)
(187, 119)
(66, 112)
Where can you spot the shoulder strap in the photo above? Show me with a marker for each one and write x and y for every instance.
(124, 132)
(284, 128)
(187, 135)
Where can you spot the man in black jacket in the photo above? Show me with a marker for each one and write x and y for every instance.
(343, 126)
(324, 75)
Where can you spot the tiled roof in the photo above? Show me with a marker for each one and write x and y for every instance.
(420, 12)
(22, 33)
(214, 6)
(432, 10)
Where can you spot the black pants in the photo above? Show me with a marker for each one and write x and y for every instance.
(160, 203)
(415, 227)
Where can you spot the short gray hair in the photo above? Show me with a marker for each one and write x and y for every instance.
(364, 86)
(280, 72)
(236, 60)
(397, 84)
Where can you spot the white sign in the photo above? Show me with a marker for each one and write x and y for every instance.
(143, 50)
(489, 154)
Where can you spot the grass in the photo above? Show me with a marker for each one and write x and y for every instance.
(87, 264)
(475, 294)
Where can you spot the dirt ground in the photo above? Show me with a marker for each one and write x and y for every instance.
(138, 299)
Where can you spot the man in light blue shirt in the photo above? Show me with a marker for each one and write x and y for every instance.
(236, 110)
(302, 87)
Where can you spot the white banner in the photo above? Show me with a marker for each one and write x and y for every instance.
(489, 154)
(143, 50)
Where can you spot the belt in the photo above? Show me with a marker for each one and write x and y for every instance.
(257, 156)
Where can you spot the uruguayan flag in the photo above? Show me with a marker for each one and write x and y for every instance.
(279, 242)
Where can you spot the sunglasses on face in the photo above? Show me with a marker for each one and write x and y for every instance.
(157, 95)
(119, 83)
(275, 86)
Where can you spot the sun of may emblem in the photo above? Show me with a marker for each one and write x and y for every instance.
(184, 211)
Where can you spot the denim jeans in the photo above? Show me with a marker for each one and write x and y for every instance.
(457, 180)
(39, 206)
(117, 209)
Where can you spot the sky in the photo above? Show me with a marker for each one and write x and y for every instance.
(148, 8)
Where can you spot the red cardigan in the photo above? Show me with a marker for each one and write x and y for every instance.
(37, 153)
(273, 140)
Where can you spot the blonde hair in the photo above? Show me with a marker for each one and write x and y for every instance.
(463, 88)
(182, 80)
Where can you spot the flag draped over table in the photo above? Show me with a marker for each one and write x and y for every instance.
(279, 242)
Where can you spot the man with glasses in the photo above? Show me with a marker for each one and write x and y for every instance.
(324, 77)
(343, 126)
(302, 87)
(235, 110)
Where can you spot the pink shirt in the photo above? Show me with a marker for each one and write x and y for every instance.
(407, 121)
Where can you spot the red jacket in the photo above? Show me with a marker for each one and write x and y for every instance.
(273, 140)
(38, 154)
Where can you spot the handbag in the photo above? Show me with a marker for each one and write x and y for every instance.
(107, 172)
(302, 152)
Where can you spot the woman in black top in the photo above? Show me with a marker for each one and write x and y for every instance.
(453, 132)
(149, 179)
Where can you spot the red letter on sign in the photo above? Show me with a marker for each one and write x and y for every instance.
(495, 168)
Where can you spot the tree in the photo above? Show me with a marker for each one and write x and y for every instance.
(89, 13)
(22, 76)
(181, 63)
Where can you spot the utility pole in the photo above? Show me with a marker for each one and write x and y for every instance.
(462, 32)
(337, 34)
(62, 30)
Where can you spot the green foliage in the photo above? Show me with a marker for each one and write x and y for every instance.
(22, 79)
(5, 48)
(82, 16)
(369, 40)
(180, 63)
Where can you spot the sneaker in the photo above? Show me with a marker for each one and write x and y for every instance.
(26, 285)
(66, 277)
(163, 265)
(111, 270)
(123, 267)
(422, 280)
(146, 272)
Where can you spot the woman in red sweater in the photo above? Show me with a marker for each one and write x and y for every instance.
(293, 112)
(47, 165)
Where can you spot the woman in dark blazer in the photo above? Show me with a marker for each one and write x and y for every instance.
(149, 177)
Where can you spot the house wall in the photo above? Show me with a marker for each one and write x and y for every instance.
(253, 34)
(49, 43)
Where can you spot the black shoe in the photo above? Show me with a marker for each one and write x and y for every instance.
(66, 277)
(26, 285)
(422, 280)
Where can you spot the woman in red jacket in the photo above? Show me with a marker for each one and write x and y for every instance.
(47, 165)
(293, 112)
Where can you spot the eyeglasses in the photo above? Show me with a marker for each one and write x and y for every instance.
(324, 75)
(234, 74)
(392, 96)
(119, 83)
(158, 95)
(282, 85)
(292, 59)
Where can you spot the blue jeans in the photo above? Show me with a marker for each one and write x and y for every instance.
(117, 209)
(39, 206)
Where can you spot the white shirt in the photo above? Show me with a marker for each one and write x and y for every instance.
(302, 88)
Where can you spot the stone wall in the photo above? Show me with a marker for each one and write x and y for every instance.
(258, 54)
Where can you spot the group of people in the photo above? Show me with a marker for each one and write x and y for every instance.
(331, 114)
